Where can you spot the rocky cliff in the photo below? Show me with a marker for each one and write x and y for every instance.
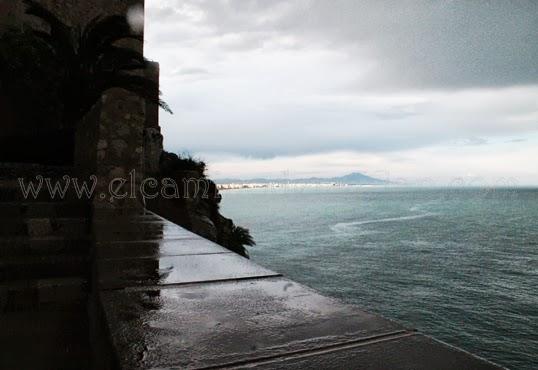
(193, 202)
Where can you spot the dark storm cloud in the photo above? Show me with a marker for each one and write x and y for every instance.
(415, 44)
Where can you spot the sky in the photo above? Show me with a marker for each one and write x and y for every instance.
(415, 91)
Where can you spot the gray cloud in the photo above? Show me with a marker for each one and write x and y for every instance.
(414, 44)
(295, 129)
(516, 141)
(287, 78)
(472, 141)
(189, 71)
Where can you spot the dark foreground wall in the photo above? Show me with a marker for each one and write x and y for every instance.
(25, 137)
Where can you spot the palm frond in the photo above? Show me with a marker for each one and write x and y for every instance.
(85, 63)
(238, 239)
(164, 106)
(119, 58)
(242, 236)
(30, 76)
(108, 30)
(139, 85)
(90, 27)
(39, 11)
(60, 35)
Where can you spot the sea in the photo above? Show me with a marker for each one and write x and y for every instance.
(460, 264)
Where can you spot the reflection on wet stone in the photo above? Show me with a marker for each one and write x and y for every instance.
(181, 301)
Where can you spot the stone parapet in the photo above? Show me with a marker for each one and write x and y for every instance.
(172, 299)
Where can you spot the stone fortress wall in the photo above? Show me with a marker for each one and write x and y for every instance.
(112, 140)
(74, 12)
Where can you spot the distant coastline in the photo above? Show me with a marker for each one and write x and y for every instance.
(235, 186)
(352, 179)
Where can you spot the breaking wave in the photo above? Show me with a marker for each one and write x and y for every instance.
(348, 226)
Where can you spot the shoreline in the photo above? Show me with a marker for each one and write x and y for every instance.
(236, 186)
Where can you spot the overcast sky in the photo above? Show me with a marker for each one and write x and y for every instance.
(419, 91)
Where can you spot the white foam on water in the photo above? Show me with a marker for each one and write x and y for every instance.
(348, 226)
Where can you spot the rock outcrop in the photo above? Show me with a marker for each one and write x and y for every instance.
(193, 202)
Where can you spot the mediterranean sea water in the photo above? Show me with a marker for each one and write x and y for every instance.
(460, 264)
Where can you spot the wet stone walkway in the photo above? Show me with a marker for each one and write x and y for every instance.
(171, 299)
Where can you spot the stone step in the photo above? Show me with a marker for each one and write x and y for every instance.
(42, 294)
(43, 267)
(36, 227)
(15, 170)
(43, 246)
(11, 190)
(57, 339)
(44, 324)
(21, 210)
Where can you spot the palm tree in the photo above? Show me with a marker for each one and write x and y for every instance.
(239, 238)
(90, 61)
(30, 81)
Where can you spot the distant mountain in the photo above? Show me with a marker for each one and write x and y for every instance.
(355, 178)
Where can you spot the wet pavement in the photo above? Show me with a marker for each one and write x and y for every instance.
(172, 299)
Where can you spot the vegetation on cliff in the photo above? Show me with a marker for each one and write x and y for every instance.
(197, 207)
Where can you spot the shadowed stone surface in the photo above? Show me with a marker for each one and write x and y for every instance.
(41, 293)
(46, 339)
(22, 245)
(44, 266)
(43, 209)
(37, 267)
